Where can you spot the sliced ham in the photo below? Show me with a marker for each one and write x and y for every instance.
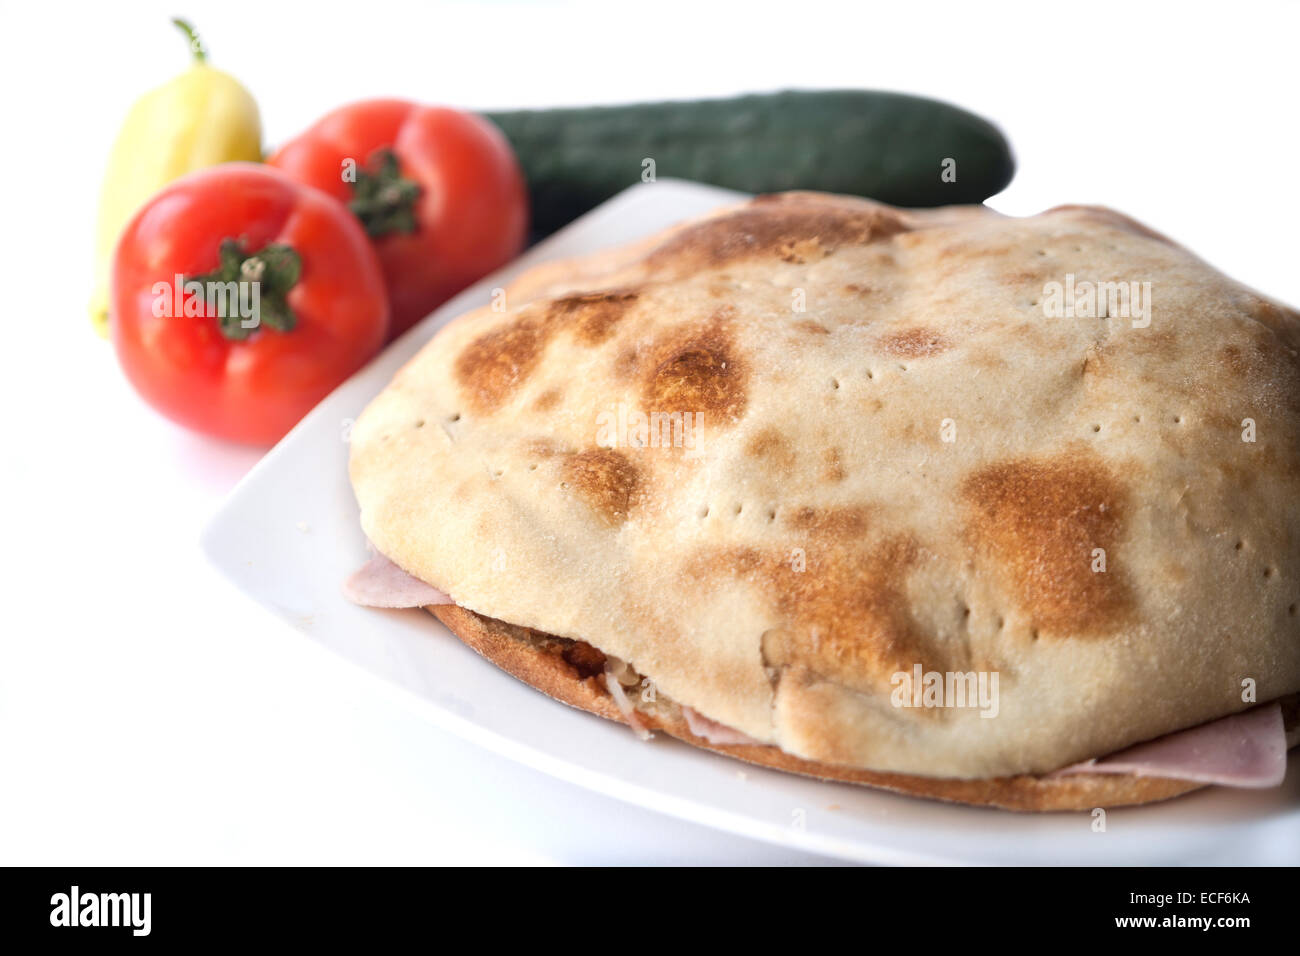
(712, 731)
(380, 583)
(1243, 750)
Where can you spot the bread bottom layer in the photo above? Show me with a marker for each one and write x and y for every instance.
(573, 673)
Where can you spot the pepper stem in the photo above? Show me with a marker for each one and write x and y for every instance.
(196, 45)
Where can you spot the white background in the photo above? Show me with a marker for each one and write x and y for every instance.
(148, 713)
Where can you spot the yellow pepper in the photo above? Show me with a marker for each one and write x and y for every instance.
(201, 118)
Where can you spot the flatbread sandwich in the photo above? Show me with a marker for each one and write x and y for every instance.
(986, 509)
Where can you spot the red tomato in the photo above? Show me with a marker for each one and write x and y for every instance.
(306, 310)
(439, 191)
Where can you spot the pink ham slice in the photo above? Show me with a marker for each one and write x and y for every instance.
(1243, 750)
(380, 583)
(714, 732)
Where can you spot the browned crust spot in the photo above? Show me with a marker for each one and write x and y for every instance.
(495, 364)
(548, 400)
(695, 369)
(1040, 521)
(789, 228)
(914, 343)
(846, 616)
(592, 316)
(838, 593)
(832, 466)
(544, 662)
(770, 446)
(491, 367)
(841, 526)
(545, 448)
(606, 479)
(1272, 373)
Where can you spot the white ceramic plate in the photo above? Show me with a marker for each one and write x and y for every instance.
(288, 536)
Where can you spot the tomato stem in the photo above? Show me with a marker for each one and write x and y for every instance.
(196, 45)
(382, 199)
(274, 270)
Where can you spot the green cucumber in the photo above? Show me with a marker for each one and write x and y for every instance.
(888, 146)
